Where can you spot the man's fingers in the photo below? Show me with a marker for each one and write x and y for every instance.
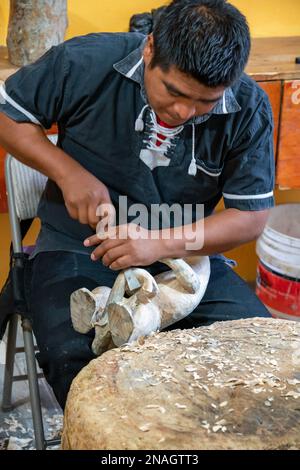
(92, 216)
(106, 245)
(100, 237)
(92, 240)
(112, 255)
(83, 214)
(121, 263)
(106, 212)
(73, 213)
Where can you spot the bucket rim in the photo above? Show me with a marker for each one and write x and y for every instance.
(281, 235)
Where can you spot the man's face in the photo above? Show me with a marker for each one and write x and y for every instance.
(174, 96)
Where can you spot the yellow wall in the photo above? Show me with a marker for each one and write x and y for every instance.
(266, 18)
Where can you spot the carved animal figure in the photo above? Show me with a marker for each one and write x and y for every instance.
(138, 303)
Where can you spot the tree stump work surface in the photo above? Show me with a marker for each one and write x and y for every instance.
(232, 385)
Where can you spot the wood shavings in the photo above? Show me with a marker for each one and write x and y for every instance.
(190, 368)
(161, 409)
(221, 422)
(224, 403)
(252, 331)
(273, 362)
(293, 381)
(292, 394)
(206, 426)
(14, 425)
(16, 443)
(234, 382)
(217, 428)
(224, 378)
(146, 427)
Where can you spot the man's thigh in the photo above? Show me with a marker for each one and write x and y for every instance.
(227, 297)
(52, 277)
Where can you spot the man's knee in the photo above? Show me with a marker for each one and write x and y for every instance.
(62, 362)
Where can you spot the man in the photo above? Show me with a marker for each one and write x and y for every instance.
(166, 119)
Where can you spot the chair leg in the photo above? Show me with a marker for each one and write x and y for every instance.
(9, 363)
(36, 407)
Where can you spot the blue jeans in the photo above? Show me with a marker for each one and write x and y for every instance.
(51, 277)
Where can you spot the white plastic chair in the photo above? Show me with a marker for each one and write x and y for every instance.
(24, 189)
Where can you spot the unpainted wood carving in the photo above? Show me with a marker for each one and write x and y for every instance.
(138, 303)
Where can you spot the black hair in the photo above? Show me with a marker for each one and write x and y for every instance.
(208, 40)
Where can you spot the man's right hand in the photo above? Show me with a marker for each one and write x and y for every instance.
(83, 193)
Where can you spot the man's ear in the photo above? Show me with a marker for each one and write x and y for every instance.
(148, 50)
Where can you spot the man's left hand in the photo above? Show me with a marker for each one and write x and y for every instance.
(127, 245)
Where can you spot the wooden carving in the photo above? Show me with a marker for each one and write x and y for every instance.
(34, 27)
(139, 304)
(232, 385)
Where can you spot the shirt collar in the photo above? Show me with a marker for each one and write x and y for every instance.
(132, 67)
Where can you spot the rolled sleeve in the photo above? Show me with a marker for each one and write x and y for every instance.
(249, 170)
(35, 93)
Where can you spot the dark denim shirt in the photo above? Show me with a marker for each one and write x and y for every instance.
(92, 87)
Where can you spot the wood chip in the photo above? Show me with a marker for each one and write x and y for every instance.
(292, 394)
(224, 403)
(216, 428)
(145, 427)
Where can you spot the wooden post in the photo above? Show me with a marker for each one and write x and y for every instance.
(34, 27)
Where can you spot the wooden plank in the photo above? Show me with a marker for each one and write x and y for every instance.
(288, 165)
(273, 90)
(274, 58)
(270, 59)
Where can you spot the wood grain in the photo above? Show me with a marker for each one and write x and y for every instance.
(288, 164)
(232, 385)
(273, 90)
(274, 58)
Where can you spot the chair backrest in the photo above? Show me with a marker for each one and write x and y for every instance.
(24, 186)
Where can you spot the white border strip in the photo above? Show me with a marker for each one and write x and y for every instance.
(18, 107)
(224, 104)
(134, 68)
(208, 172)
(248, 196)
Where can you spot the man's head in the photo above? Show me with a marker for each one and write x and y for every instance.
(198, 48)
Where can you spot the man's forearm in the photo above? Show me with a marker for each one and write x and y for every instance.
(29, 144)
(220, 232)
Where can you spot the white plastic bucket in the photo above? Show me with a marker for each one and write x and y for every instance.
(278, 273)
